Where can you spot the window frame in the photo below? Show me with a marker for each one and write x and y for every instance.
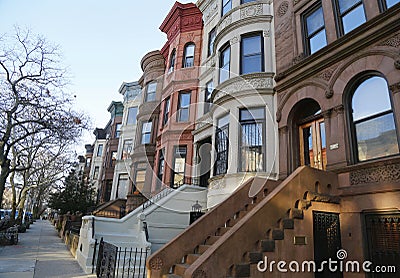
(383, 5)
(175, 156)
(172, 59)
(211, 42)
(126, 149)
(186, 57)
(151, 93)
(180, 108)
(100, 149)
(126, 178)
(118, 128)
(228, 2)
(142, 168)
(306, 36)
(207, 96)
(218, 153)
(143, 133)
(263, 134)
(246, 1)
(167, 109)
(339, 17)
(351, 89)
(96, 172)
(161, 169)
(134, 120)
(251, 35)
(224, 48)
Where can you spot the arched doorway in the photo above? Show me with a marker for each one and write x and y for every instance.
(308, 135)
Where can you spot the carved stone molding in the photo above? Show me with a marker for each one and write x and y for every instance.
(210, 11)
(298, 58)
(283, 8)
(267, 33)
(217, 184)
(393, 41)
(193, 20)
(296, 2)
(327, 74)
(397, 64)
(234, 40)
(395, 88)
(329, 93)
(253, 10)
(339, 109)
(199, 273)
(190, 37)
(280, 76)
(227, 20)
(278, 115)
(385, 173)
(156, 263)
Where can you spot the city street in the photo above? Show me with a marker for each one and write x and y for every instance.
(39, 253)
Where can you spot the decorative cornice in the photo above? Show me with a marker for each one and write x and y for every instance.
(210, 11)
(253, 10)
(283, 8)
(379, 174)
(393, 41)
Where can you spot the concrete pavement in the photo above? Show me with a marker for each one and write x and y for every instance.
(39, 253)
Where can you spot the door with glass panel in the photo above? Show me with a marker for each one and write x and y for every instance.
(313, 144)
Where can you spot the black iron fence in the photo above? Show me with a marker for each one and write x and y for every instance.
(113, 261)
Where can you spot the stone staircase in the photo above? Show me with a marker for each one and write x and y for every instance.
(267, 247)
(235, 235)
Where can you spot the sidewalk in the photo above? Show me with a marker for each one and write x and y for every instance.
(39, 253)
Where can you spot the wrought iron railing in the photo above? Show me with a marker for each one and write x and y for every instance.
(164, 192)
(114, 261)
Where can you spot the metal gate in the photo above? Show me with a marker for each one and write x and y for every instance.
(383, 239)
(327, 241)
(113, 261)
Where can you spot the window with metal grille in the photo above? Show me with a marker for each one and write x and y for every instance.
(222, 146)
(252, 122)
(314, 29)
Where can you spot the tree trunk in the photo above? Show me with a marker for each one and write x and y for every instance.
(5, 171)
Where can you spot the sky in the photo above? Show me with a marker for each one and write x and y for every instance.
(102, 43)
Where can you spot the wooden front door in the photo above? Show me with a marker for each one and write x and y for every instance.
(313, 144)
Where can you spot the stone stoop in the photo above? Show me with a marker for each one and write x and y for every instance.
(285, 229)
(178, 270)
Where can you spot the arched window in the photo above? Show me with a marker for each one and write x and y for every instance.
(372, 119)
(172, 61)
(188, 58)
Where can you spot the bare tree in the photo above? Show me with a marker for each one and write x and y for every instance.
(33, 98)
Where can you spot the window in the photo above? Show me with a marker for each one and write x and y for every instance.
(188, 58)
(252, 54)
(183, 107)
(88, 160)
(386, 4)
(372, 117)
(208, 91)
(314, 30)
(161, 166)
(96, 172)
(222, 146)
(226, 6)
(113, 159)
(166, 111)
(246, 1)
(122, 186)
(151, 91)
(146, 132)
(224, 63)
(100, 150)
(118, 130)
(140, 177)
(132, 113)
(172, 61)
(211, 40)
(178, 172)
(127, 149)
(252, 123)
(350, 15)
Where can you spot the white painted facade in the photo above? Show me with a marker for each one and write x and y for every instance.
(132, 98)
(97, 161)
(253, 90)
(165, 218)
